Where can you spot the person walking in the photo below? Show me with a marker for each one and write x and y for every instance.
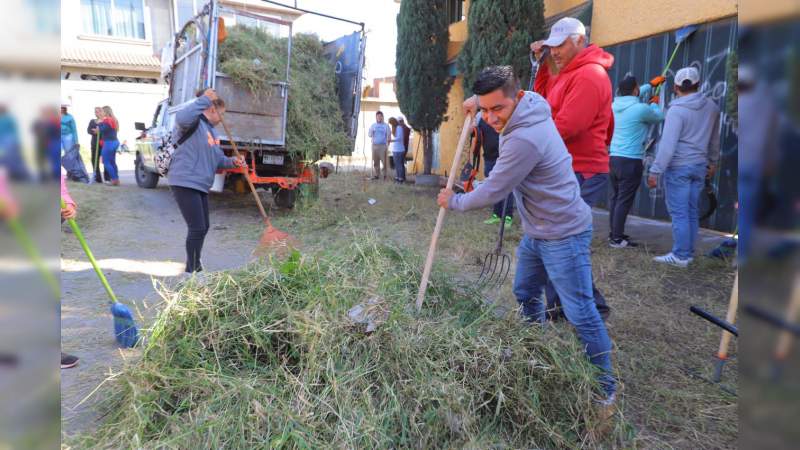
(380, 134)
(398, 143)
(575, 83)
(193, 166)
(489, 140)
(107, 130)
(97, 146)
(534, 164)
(687, 154)
(632, 121)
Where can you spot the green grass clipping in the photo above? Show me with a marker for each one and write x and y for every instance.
(253, 58)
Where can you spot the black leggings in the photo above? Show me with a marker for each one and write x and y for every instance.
(194, 209)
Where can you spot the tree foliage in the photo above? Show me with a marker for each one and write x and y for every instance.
(423, 82)
(500, 33)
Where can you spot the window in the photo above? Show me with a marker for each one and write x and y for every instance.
(116, 18)
(455, 11)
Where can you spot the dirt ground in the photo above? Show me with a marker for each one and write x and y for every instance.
(660, 348)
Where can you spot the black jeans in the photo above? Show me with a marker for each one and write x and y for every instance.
(497, 209)
(625, 178)
(591, 190)
(96, 164)
(194, 209)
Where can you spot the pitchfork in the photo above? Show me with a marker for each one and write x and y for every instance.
(496, 263)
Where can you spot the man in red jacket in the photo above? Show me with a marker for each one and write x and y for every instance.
(575, 83)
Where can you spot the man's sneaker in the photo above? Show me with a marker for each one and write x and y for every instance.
(621, 243)
(673, 260)
(495, 219)
(509, 221)
(68, 361)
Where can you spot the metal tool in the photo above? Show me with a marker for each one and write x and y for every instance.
(496, 263)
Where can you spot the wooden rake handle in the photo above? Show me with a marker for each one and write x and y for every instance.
(731, 319)
(426, 273)
(247, 174)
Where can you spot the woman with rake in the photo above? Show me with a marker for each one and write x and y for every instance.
(194, 163)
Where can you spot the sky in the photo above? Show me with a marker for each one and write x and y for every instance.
(379, 17)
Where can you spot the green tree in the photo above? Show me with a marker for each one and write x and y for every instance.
(421, 59)
(500, 33)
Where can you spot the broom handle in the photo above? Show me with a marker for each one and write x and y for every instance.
(247, 170)
(82, 240)
(730, 318)
(786, 336)
(423, 286)
(27, 244)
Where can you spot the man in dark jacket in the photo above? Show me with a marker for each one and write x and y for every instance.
(489, 140)
(580, 97)
(92, 130)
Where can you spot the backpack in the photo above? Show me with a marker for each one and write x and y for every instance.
(163, 157)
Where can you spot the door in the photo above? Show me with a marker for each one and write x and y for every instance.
(347, 53)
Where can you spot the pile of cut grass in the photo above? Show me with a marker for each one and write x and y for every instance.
(253, 58)
(266, 357)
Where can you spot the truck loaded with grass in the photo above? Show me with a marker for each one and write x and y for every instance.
(290, 99)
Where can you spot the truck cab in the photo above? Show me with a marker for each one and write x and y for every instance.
(257, 122)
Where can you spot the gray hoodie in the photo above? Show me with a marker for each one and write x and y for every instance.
(691, 134)
(196, 160)
(535, 164)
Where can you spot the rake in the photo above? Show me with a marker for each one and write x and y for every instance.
(496, 263)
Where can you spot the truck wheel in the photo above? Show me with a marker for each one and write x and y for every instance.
(144, 178)
(285, 198)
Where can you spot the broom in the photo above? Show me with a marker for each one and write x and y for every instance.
(27, 244)
(125, 330)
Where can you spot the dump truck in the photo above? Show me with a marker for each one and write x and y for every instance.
(257, 122)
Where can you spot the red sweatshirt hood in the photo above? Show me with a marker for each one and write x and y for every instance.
(590, 55)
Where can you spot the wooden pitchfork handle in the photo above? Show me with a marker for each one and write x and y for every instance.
(247, 171)
(426, 273)
(730, 317)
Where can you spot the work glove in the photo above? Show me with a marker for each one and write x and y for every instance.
(653, 100)
(657, 81)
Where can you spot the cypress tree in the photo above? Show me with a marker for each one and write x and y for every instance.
(500, 33)
(421, 60)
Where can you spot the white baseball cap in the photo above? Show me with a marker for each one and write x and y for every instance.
(687, 73)
(564, 28)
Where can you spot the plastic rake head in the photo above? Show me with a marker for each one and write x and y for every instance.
(125, 329)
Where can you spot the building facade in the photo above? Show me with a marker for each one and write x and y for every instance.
(640, 34)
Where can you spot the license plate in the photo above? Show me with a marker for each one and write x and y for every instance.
(275, 160)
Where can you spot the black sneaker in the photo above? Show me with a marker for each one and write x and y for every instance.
(621, 243)
(68, 361)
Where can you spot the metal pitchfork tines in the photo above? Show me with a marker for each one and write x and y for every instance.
(496, 264)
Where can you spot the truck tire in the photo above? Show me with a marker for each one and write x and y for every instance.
(285, 198)
(144, 178)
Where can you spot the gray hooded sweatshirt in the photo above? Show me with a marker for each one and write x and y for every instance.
(535, 164)
(196, 160)
(691, 134)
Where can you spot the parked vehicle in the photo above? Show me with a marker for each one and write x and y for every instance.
(257, 122)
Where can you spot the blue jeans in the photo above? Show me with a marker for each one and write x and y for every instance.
(497, 209)
(683, 186)
(593, 190)
(749, 202)
(110, 158)
(567, 264)
(400, 164)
